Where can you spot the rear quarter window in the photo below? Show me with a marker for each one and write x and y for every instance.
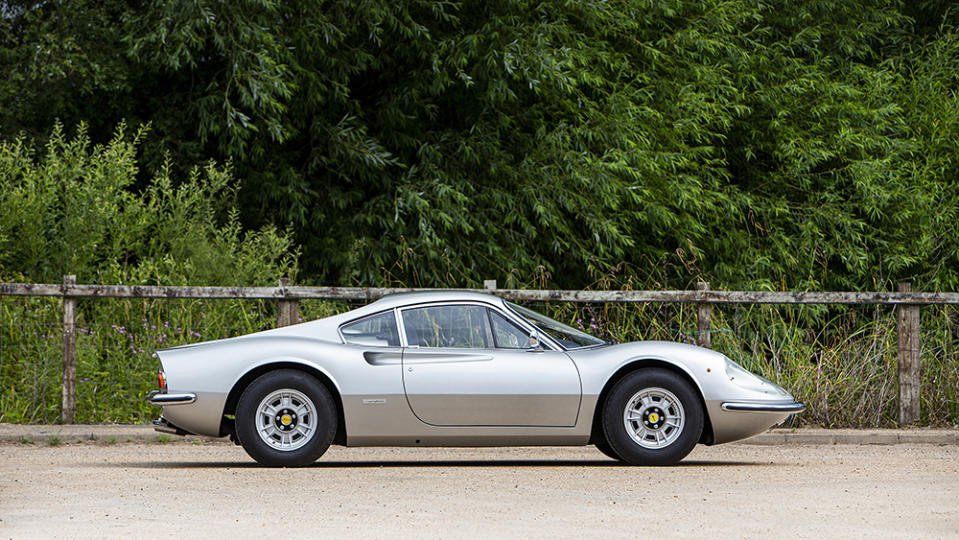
(376, 330)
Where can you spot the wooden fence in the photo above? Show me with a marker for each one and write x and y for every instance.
(287, 296)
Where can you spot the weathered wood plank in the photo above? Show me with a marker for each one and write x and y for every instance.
(69, 387)
(138, 291)
(372, 293)
(287, 310)
(733, 297)
(704, 313)
(907, 319)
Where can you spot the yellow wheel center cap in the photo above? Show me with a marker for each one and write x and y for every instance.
(652, 418)
(286, 419)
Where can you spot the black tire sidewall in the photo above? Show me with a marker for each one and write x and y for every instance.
(246, 414)
(607, 450)
(615, 431)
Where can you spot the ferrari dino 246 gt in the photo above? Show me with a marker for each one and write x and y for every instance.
(453, 368)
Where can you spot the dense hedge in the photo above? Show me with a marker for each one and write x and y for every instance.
(774, 145)
(70, 207)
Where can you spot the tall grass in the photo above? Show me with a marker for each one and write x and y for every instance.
(115, 339)
(840, 361)
(68, 206)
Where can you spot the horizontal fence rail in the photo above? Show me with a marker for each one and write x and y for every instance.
(287, 296)
(372, 293)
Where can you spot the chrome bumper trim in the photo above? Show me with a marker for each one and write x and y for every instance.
(793, 407)
(170, 399)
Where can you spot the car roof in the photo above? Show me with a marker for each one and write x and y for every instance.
(396, 300)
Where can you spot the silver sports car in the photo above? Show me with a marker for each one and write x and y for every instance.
(455, 368)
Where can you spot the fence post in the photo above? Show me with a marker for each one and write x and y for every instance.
(907, 325)
(68, 411)
(703, 313)
(489, 284)
(287, 311)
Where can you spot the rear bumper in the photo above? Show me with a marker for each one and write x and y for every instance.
(789, 408)
(156, 398)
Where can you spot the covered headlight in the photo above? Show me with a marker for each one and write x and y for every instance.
(750, 381)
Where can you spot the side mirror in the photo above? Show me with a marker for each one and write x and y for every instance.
(534, 344)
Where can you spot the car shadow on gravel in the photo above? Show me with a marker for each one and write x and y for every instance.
(376, 464)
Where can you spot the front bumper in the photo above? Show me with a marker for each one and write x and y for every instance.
(156, 398)
(734, 419)
(789, 408)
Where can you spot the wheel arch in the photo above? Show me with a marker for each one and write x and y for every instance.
(596, 433)
(227, 426)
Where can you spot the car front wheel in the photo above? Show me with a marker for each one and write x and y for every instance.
(285, 418)
(652, 416)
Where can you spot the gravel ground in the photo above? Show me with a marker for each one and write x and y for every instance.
(215, 490)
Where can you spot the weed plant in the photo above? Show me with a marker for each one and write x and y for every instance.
(115, 339)
(840, 361)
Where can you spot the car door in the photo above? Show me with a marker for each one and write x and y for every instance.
(455, 375)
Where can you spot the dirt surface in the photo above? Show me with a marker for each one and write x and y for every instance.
(215, 490)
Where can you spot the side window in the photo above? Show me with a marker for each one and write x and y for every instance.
(378, 330)
(447, 326)
(507, 335)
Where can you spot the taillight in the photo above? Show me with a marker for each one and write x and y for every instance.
(161, 380)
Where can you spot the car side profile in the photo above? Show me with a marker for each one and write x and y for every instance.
(455, 368)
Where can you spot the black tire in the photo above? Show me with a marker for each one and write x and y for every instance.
(604, 447)
(300, 452)
(677, 442)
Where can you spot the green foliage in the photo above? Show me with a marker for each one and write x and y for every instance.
(804, 146)
(843, 368)
(755, 145)
(71, 209)
(115, 339)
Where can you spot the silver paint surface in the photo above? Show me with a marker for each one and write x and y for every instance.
(405, 396)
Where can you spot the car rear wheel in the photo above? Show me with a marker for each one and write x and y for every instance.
(285, 418)
(652, 416)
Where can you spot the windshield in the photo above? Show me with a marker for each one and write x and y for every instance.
(568, 337)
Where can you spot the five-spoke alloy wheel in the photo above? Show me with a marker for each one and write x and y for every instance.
(652, 416)
(285, 418)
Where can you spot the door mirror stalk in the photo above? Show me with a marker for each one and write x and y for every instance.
(535, 345)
